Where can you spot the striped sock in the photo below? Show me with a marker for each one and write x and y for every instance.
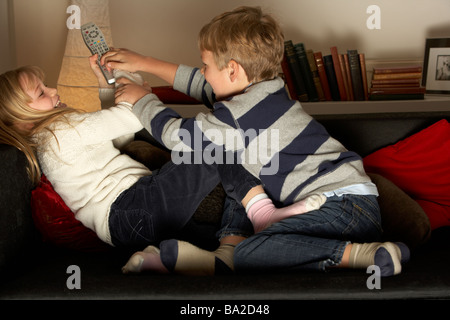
(388, 256)
(185, 258)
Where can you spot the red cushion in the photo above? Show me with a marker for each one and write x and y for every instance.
(168, 95)
(57, 223)
(420, 166)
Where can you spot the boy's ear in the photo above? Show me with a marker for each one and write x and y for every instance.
(233, 70)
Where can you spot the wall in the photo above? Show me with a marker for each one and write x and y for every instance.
(40, 34)
(168, 28)
(7, 48)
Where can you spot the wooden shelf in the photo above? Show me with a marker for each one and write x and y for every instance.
(431, 103)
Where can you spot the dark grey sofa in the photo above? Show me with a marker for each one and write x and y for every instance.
(31, 269)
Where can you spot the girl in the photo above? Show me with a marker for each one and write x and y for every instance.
(120, 199)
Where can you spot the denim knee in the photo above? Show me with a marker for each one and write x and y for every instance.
(234, 221)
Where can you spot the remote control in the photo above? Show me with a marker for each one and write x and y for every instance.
(93, 37)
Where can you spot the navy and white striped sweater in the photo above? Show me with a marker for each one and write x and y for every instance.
(271, 135)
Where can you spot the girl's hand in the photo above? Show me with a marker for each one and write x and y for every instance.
(123, 59)
(130, 92)
(98, 73)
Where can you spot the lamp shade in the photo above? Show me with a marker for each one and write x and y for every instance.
(77, 85)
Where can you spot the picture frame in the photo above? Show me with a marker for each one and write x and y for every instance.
(436, 66)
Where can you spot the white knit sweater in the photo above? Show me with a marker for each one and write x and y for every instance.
(84, 165)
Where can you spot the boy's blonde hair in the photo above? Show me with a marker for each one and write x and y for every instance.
(249, 37)
(16, 114)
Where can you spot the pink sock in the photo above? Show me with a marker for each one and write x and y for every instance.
(262, 212)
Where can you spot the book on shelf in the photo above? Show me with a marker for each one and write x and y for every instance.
(397, 83)
(345, 64)
(397, 70)
(322, 75)
(295, 71)
(306, 72)
(338, 72)
(356, 76)
(289, 80)
(331, 76)
(311, 76)
(362, 62)
(315, 74)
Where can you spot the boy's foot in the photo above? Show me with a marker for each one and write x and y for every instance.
(388, 256)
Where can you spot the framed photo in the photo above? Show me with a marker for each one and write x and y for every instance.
(436, 66)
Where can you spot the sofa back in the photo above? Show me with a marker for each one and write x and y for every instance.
(366, 133)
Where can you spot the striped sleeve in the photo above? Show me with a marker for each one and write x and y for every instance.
(190, 81)
(206, 130)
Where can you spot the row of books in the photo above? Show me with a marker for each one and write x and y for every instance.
(397, 83)
(311, 76)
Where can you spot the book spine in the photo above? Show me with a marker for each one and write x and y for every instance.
(409, 69)
(413, 75)
(331, 76)
(406, 90)
(338, 72)
(355, 71)
(288, 78)
(315, 74)
(322, 75)
(401, 85)
(294, 65)
(347, 76)
(306, 72)
(389, 82)
(362, 62)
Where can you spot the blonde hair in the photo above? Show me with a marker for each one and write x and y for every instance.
(249, 37)
(16, 114)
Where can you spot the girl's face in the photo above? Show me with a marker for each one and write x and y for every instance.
(42, 98)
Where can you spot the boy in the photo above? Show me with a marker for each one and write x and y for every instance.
(241, 51)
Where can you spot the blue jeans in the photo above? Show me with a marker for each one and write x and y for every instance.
(314, 240)
(158, 206)
(234, 221)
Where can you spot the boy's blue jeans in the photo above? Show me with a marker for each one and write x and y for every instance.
(158, 206)
(313, 240)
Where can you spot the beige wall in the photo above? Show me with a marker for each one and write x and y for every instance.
(168, 28)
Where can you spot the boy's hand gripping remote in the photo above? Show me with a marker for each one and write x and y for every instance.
(93, 37)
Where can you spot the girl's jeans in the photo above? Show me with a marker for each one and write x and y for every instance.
(158, 206)
(313, 240)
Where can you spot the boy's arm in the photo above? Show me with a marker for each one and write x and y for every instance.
(191, 81)
(168, 127)
(183, 78)
(186, 134)
(128, 60)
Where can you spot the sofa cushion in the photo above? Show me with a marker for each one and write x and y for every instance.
(151, 156)
(403, 219)
(18, 234)
(57, 223)
(420, 166)
(168, 95)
